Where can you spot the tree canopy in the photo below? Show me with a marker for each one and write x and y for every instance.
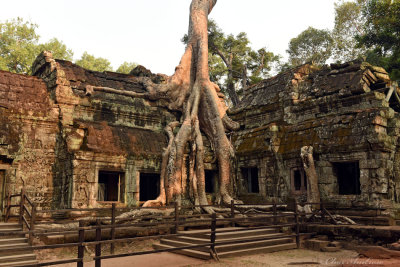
(18, 45)
(312, 45)
(349, 22)
(382, 34)
(91, 62)
(126, 67)
(233, 64)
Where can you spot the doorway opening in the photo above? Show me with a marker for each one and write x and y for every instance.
(111, 186)
(348, 177)
(250, 178)
(149, 186)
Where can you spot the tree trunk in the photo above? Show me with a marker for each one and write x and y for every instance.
(190, 91)
(312, 177)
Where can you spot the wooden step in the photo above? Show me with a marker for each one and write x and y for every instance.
(19, 263)
(10, 226)
(186, 252)
(17, 240)
(17, 258)
(23, 248)
(224, 233)
(243, 234)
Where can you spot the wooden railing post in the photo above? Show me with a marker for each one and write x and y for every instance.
(81, 248)
(322, 211)
(296, 218)
(112, 234)
(233, 212)
(32, 226)
(21, 206)
(274, 212)
(213, 233)
(8, 209)
(97, 262)
(176, 217)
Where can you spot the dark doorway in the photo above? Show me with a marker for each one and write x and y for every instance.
(149, 186)
(348, 177)
(250, 177)
(111, 186)
(210, 181)
(297, 180)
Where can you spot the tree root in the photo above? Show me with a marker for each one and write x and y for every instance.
(203, 109)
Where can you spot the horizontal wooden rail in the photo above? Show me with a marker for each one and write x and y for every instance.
(151, 251)
(53, 263)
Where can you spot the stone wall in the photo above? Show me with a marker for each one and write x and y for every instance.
(339, 110)
(56, 134)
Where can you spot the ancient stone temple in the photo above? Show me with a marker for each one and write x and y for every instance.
(78, 138)
(75, 138)
(342, 113)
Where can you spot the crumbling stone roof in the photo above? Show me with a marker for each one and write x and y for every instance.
(79, 78)
(308, 81)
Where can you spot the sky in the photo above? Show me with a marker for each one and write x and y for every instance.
(148, 32)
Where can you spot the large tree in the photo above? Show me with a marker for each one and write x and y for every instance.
(349, 22)
(312, 45)
(190, 91)
(382, 34)
(233, 63)
(18, 45)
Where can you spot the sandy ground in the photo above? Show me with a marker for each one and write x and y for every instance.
(299, 257)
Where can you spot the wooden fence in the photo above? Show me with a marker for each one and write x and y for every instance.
(274, 217)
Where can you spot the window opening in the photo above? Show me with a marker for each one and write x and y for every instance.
(348, 177)
(111, 186)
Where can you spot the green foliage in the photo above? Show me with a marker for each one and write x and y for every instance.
(18, 45)
(382, 34)
(349, 23)
(126, 67)
(312, 45)
(90, 62)
(58, 49)
(233, 63)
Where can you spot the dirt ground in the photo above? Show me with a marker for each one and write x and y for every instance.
(300, 257)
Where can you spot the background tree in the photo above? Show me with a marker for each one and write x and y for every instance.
(382, 34)
(126, 67)
(91, 62)
(312, 45)
(58, 49)
(18, 45)
(349, 22)
(233, 63)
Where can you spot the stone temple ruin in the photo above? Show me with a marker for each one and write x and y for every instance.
(75, 138)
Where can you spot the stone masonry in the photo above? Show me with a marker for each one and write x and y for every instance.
(75, 138)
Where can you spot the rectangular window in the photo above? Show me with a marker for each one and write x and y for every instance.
(348, 177)
(111, 186)
(149, 186)
(250, 177)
